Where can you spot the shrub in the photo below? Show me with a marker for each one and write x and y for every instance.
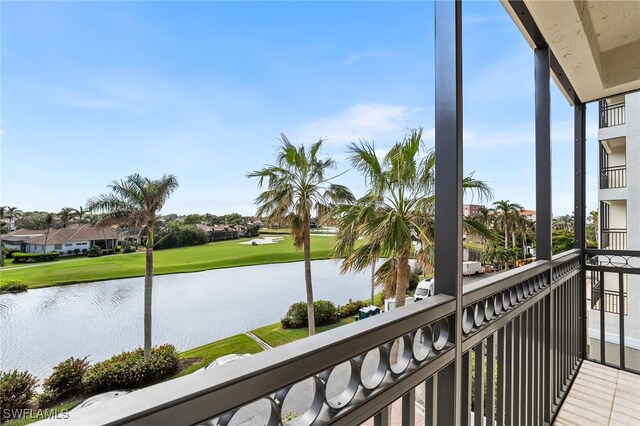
(76, 251)
(12, 285)
(130, 370)
(176, 234)
(16, 389)
(350, 308)
(84, 251)
(66, 379)
(35, 257)
(94, 251)
(11, 252)
(46, 399)
(128, 248)
(414, 279)
(296, 317)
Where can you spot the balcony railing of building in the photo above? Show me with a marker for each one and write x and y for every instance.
(613, 238)
(612, 115)
(607, 299)
(613, 268)
(613, 177)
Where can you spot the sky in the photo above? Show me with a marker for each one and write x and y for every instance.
(96, 91)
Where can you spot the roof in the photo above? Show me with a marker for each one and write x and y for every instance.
(73, 233)
(595, 45)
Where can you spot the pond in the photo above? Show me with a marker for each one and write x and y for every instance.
(42, 327)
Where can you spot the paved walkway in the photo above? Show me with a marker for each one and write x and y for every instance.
(601, 396)
(258, 340)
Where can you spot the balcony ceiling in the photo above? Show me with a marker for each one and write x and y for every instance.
(596, 42)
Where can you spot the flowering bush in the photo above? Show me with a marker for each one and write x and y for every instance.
(66, 380)
(16, 389)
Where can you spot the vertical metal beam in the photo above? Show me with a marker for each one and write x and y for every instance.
(382, 418)
(580, 215)
(543, 153)
(621, 313)
(409, 408)
(448, 191)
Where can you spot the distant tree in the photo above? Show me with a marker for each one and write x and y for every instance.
(233, 219)
(296, 185)
(562, 240)
(65, 215)
(565, 222)
(11, 214)
(193, 219)
(212, 220)
(48, 221)
(80, 214)
(137, 201)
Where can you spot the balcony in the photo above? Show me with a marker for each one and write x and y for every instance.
(612, 115)
(613, 177)
(613, 238)
(516, 348)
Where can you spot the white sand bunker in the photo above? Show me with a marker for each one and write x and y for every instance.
(263, 240)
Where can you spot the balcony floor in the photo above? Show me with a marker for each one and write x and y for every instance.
(601, 395)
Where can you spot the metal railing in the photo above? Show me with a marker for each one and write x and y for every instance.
(612, 115)
(521, 347)
(613, 177)
(607, 299)
(613, 238)
(612, 268)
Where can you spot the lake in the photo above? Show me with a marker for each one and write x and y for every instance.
(43, 327)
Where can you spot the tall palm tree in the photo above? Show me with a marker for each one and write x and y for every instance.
(297, 187)
(12, 213)
(507, 214)
(137, 201)
(397, 210)
(65, 215)
(80, 213)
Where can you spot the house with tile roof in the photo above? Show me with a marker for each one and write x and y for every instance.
(64, 240)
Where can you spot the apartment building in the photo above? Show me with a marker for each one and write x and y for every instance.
(619, 204)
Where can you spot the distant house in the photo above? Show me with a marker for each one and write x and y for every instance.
(137, 235)
(222, 232)
(65, 240)
(529, 214)
(471, 210)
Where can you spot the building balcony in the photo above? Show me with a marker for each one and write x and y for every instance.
(613, 177)
(612, 115)
(613, 238)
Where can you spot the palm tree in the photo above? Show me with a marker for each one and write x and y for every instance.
(397, 210)
(11, 214)
(137, 201)
(47, 221)
(563, 222)
(65, 215)
(79, 213)
(507, 215)
(296, 188)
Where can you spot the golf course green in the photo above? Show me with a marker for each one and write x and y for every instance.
(224, 254)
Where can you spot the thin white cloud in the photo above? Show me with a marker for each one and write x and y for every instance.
(380, 122)
(354, 57)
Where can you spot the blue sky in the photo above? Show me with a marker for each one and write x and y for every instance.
(95, 91)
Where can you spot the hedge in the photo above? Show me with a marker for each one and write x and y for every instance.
(35, 257)
(65, 381)
(12, 285)
(325, 313)
(130, 370)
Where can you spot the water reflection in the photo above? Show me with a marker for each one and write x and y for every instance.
(42, 327)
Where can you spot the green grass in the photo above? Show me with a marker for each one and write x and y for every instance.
(238, 344)
(58, 409)
(275, 335)
(8, 263)
(224, 254)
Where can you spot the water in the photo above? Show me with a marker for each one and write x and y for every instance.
(40, 328)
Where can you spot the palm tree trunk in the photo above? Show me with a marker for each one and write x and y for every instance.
(373, 281)
(307, 273)
(506, 237)
(402, 279)
(148, 286)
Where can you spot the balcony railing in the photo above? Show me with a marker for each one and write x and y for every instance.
(613, 177)
(612, 115)
(521, 348)
(613, 238)
(607, 299)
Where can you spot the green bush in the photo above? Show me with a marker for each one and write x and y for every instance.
(296, 317)
(94, 251)
(130, 370)
(350, 308)
(12, 285)
(11, 252)
(129, 248)
(35, 257)
(66, 379)
(16, 389)
(176, 234)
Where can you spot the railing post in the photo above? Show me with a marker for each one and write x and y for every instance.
(580, 214)
(543, 207)
(448, 192)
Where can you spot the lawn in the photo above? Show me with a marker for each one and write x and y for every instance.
(275, 335)
(238, 344)
(224, 254)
